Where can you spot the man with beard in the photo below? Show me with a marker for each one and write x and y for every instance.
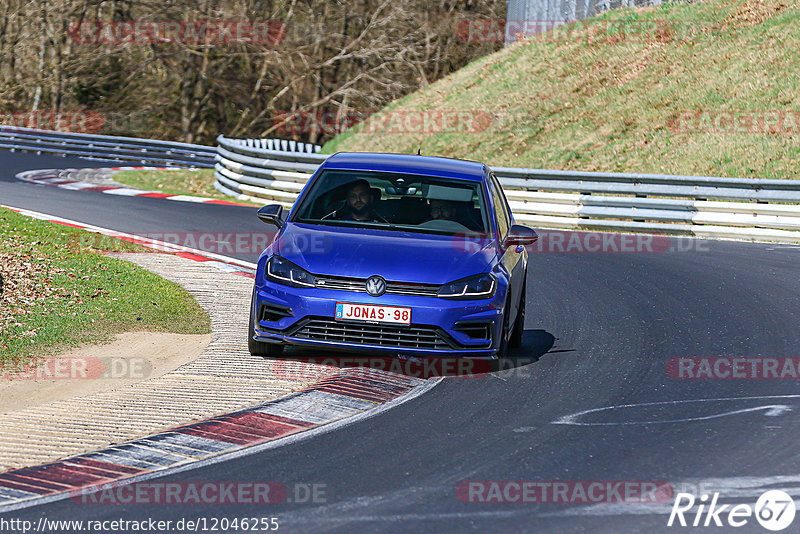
(359, 202)
(442, 209)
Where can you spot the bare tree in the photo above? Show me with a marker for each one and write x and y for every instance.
(339, 57)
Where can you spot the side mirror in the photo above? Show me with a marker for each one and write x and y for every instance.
(520, 236)
(271, 214)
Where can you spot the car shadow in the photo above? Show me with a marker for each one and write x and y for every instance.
(305, 362)
(535, 344)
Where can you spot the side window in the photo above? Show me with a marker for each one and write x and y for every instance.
(503, 198)
(500, 208)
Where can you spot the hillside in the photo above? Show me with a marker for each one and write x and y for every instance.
(710, 88)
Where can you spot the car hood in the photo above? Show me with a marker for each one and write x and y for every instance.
(396, 256)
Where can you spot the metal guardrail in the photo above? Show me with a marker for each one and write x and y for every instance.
(271, 170)
(107, 147)
(129, 149)
(713, 207)
(534, 16)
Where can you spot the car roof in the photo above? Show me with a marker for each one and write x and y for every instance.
(407, 163)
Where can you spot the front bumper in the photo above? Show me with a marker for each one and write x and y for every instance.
(440, 327)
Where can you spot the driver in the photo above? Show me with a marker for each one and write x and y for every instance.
(359, 203)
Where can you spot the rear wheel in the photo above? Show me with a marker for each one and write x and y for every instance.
(519, 322)
(259, 348)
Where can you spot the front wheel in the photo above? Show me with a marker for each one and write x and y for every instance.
(502, 350)
(519, 322)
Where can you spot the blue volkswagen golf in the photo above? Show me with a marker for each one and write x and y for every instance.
(393, 254)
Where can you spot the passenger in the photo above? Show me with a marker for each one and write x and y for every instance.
(442, 209)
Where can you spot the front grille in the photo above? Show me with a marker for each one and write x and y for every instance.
(407, 288)
(390, 336)
(344, 283)
(340, 282)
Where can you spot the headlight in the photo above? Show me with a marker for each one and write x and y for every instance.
(285, 272)
(474, 287)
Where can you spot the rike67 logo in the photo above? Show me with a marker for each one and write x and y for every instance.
(774, 510)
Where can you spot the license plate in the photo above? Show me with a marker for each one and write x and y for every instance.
(373, 313)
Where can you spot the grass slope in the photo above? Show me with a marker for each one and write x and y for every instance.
(636, 90)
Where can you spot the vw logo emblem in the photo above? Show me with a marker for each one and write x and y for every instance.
(376, 286)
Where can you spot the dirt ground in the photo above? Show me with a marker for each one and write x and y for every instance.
(132, 357)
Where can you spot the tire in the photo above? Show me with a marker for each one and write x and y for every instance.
(502, 351)
(519, 323)
(259, 348)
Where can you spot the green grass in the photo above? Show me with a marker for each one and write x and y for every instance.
(60, 291)
(586, 99)
(197, 182)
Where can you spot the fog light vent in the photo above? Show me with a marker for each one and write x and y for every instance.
(273, 312)
(475, 330)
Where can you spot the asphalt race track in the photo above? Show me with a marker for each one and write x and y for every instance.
(601, 327)
(117, 212)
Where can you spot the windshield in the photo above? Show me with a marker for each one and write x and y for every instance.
(394, 201)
